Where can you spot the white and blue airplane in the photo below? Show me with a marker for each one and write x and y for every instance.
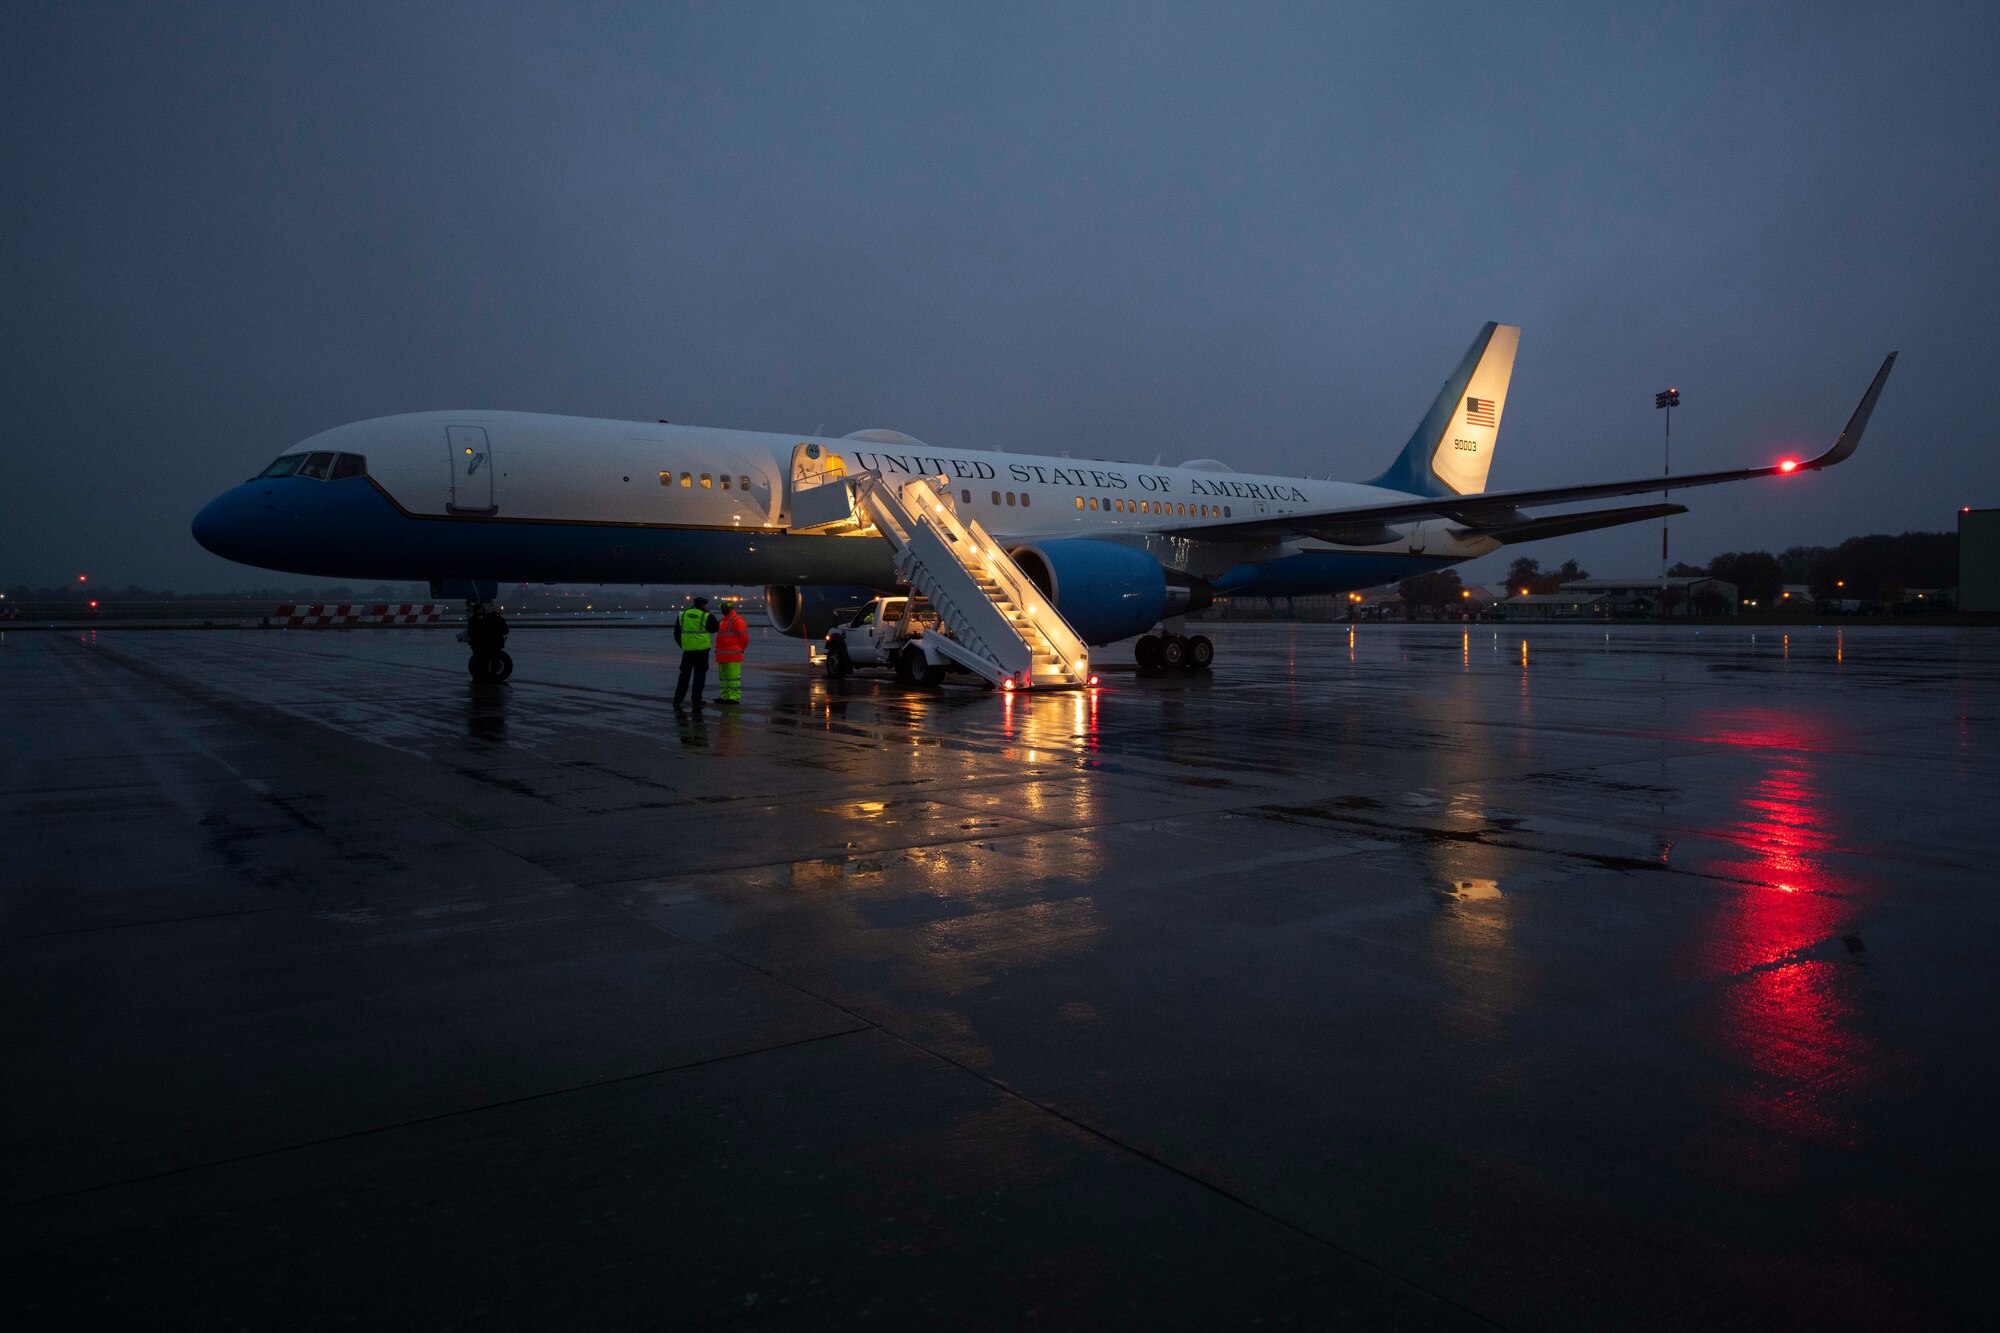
(467, 500)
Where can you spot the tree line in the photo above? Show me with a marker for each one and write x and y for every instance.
(1875, 568)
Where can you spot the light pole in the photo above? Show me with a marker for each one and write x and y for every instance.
(1666, 400)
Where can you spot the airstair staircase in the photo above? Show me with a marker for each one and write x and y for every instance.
(995, 622)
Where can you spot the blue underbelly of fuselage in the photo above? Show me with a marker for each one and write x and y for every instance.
(352, 530)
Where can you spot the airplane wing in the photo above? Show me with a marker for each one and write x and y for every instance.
(1499, 512)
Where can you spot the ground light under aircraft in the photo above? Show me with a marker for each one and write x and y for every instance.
(470, 499)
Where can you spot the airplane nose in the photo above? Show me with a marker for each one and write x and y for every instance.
(221, 525)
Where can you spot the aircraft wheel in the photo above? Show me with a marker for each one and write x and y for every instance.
(837, 663)
(504, 667)
(1173, 651)
(1147, 652)
(475, 666)
(1200, 652)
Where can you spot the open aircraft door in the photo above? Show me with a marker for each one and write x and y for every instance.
(471, 471)
(812, 465)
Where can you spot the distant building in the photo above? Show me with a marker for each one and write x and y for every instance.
(1552, 606)
(1979, 560)
(1640, 598)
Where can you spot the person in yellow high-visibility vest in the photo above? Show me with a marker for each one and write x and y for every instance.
(693, 629)
(730, 642)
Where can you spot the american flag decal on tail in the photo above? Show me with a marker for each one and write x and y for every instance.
(1479, 412)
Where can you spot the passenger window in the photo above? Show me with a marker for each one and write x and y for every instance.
(1079, 501)
(1010, 499)
(1093, 502)
(1225, 511)
(744, 483)
(1024, 499)
(666, 479)
(705, 481)
(348, 465)
(724, 479)
(687, 479)
(284, 467)
(996, 498)
(965, 497)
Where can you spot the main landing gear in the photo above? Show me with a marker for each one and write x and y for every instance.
(1174, 652)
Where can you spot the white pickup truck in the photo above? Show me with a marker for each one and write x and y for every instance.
(889, 632)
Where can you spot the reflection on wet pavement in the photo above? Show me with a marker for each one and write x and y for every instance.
(1557, 975)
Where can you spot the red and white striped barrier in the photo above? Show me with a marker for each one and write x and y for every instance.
(319, 616)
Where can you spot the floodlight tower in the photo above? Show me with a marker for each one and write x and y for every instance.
(1666, 400)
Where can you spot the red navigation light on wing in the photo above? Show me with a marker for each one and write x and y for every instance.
(1788, 465)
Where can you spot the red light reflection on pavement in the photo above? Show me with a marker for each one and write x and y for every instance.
(1788, 1012)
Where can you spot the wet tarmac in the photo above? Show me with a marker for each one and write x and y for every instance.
(1531, 977)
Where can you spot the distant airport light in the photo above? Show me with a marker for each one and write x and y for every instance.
(1789, 465)
(1666, 398)
(83, 578)
(1465, 592)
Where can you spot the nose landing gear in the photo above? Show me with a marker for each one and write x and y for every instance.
(486, 635)
(493, 666)
(1174, 652)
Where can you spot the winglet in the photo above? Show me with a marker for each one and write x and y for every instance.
(1850, 438)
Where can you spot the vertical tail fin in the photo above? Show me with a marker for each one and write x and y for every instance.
(1453, 445)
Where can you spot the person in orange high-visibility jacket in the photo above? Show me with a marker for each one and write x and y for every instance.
(731, 639)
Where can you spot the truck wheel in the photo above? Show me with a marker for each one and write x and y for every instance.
(837, 664)
(910, 665)
(933, 676)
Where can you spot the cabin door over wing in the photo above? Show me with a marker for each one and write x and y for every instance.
(471, 471)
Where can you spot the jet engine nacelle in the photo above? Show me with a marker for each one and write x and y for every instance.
(808, 613)
(1106, 591)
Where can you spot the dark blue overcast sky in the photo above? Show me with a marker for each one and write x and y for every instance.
(1259, 232)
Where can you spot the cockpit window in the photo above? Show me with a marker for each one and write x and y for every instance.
(316, 466)
(284, 467)
(348, 465)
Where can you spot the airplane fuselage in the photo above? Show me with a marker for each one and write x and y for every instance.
(525, 497)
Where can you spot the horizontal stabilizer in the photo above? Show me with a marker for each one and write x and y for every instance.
(1564, 525)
